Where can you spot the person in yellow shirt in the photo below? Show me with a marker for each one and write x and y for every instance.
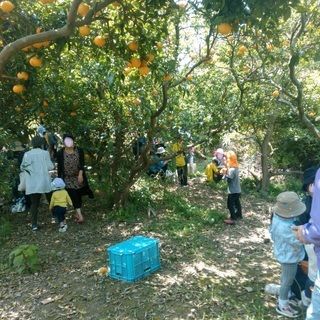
(59, 201)
(182, 166)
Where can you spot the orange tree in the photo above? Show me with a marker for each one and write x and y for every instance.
(107, 70)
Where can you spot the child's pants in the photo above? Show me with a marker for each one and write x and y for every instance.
(60, 213)
(288, 273)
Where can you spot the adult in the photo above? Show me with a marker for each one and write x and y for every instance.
(138, 145)
(181, 163)
(159, 167)
(36, 163)
(302, 280)
(231, 175)
(219, 157)
(71, 169)
(213, 169)
(309, 233)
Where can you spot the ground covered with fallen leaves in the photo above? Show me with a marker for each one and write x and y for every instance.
(217, 273)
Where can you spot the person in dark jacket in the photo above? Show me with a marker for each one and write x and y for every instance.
(71, 169)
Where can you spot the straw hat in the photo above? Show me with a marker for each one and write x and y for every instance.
(288, 205)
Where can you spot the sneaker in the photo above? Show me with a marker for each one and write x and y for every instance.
(230, 221)
(34, 227)
(62, 229)
(288, 311)
(65, 226)
(294, 301)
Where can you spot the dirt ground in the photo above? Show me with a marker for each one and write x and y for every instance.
(221, 277)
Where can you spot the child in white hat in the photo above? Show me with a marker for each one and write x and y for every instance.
(59, 201)
(287, 249)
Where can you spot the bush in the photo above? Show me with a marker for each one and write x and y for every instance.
(5, 229)
(24, 259)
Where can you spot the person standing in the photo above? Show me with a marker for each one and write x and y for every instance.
(309, 233)
(70, 161)
(59, 202)
(181, 163)
(37, 164)
(288, 251)
(159, 167)
(231, 175)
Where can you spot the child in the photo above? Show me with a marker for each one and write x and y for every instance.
(59, 201)
(288, 251)
(231, 174)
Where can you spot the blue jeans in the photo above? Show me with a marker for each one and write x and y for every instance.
(313, 311)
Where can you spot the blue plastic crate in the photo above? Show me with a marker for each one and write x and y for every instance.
(133, 259)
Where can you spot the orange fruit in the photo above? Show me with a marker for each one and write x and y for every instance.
(224, 28)
(240, 53)
(26, 48)
(35, 62)
(154, 92)
(144, 63)
(45, 43)
(243, 49)
(269, 46)
(84, 30)
(136, 62)
(127, 70)
(276, 93)
(83, 9)
(167, 77)
(23, 75)
(159, 45)
(133, 45)
(189, 76)
(18, 109)
(137, 101)
(6, 6)
(37, 45)
(18, 88)
(73, 113)
(99, 41)
(41, 114)
(144, 70)
(150, 57)
(102, 270)
(212, 52)
(45, 103)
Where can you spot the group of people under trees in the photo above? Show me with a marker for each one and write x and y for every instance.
(37, 164)
(224, 166)
(71, 184)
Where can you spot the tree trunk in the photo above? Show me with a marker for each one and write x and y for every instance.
(265, 154)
